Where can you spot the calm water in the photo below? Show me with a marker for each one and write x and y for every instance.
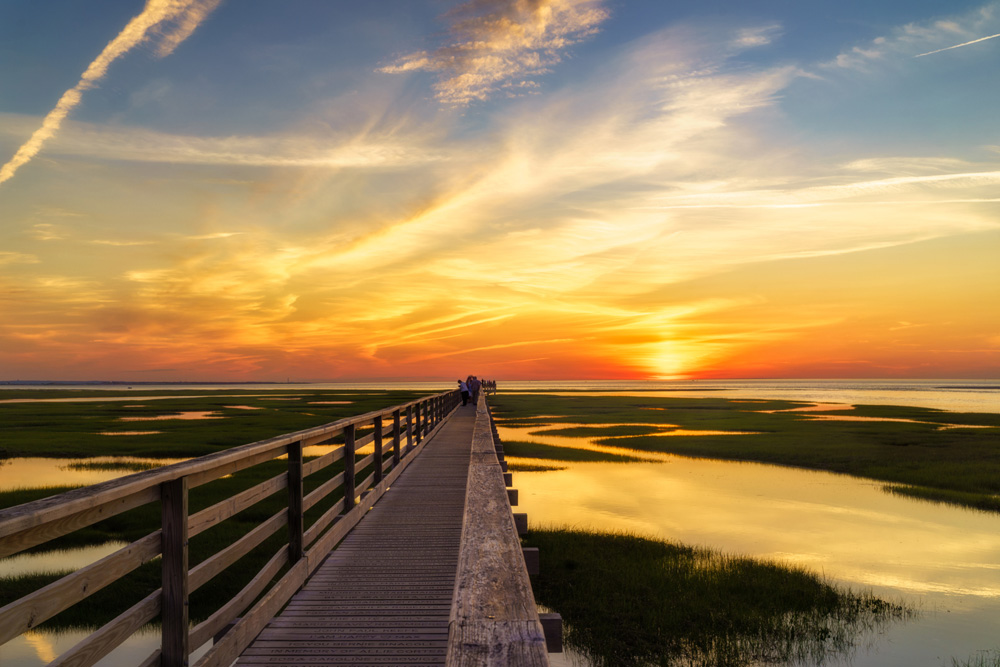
(945, 561)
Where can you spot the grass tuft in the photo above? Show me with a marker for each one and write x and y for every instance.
(988, 658)
(628, 600)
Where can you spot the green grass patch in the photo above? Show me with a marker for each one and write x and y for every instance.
(532, 467)
(126, 466)
(534, 450)
(73, 430)
(132, 525)
(980, 501)
(633, 601)
(987, 658)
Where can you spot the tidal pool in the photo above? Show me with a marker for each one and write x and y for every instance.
(37, 472)
(64, 560)
(182, 416)
(540, 433)
(944, 561)
(41, 647)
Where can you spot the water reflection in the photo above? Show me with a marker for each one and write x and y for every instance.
(35, 472)
(815, 407)
(944, 560)
(854, 418)
(38, 647)
(540, 433)
(184, 416)
(64, 560)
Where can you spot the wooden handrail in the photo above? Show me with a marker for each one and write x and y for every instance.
(494, 619)
(37, 522)
(51, 510)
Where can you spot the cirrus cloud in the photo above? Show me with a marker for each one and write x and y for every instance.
(501, 44)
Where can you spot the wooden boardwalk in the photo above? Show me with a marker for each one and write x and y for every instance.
(384, 595)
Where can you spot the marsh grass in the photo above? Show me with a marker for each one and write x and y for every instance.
(959, 466)
(979, 501)
(532, 467)
(628, 600)
(988, 658)
(74, 421)
(127, 466)
(73, 430)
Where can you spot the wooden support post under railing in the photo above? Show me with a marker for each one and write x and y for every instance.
(378, 448)
(409, 428)
(419, 425)
(348, 468)
(395, 438)
(295, 520)
(174, 523)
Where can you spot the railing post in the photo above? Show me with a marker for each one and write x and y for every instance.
(409, 428)
(419, 434)
(395, 438)
(174, 568)
(295, 521)
(378, 449)
(348, 468)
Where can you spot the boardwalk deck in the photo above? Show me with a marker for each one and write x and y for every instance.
(384, 596)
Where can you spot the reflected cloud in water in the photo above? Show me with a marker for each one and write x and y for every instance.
(183, 416)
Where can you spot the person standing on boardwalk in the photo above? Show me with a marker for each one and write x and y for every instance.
(474, 388)
(464, 388)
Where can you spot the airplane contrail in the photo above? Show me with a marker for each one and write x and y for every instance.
(185, 14)
(949, 48)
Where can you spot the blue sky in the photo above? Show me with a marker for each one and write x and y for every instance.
(541, 187)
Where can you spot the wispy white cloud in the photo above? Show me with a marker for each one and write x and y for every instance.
(756, 36)
(502, 44)
(915, 40)
(120, 243)
(363, 150)
(174, 19)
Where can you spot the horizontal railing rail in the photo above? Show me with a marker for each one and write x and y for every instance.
(402, 427)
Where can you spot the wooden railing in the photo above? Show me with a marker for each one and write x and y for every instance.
(248, 611)
(494, 619)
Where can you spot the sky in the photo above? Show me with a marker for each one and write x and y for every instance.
(223, 190)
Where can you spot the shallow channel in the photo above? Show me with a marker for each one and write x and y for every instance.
(942, 560)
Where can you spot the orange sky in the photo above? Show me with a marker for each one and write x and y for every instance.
(662, 197)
